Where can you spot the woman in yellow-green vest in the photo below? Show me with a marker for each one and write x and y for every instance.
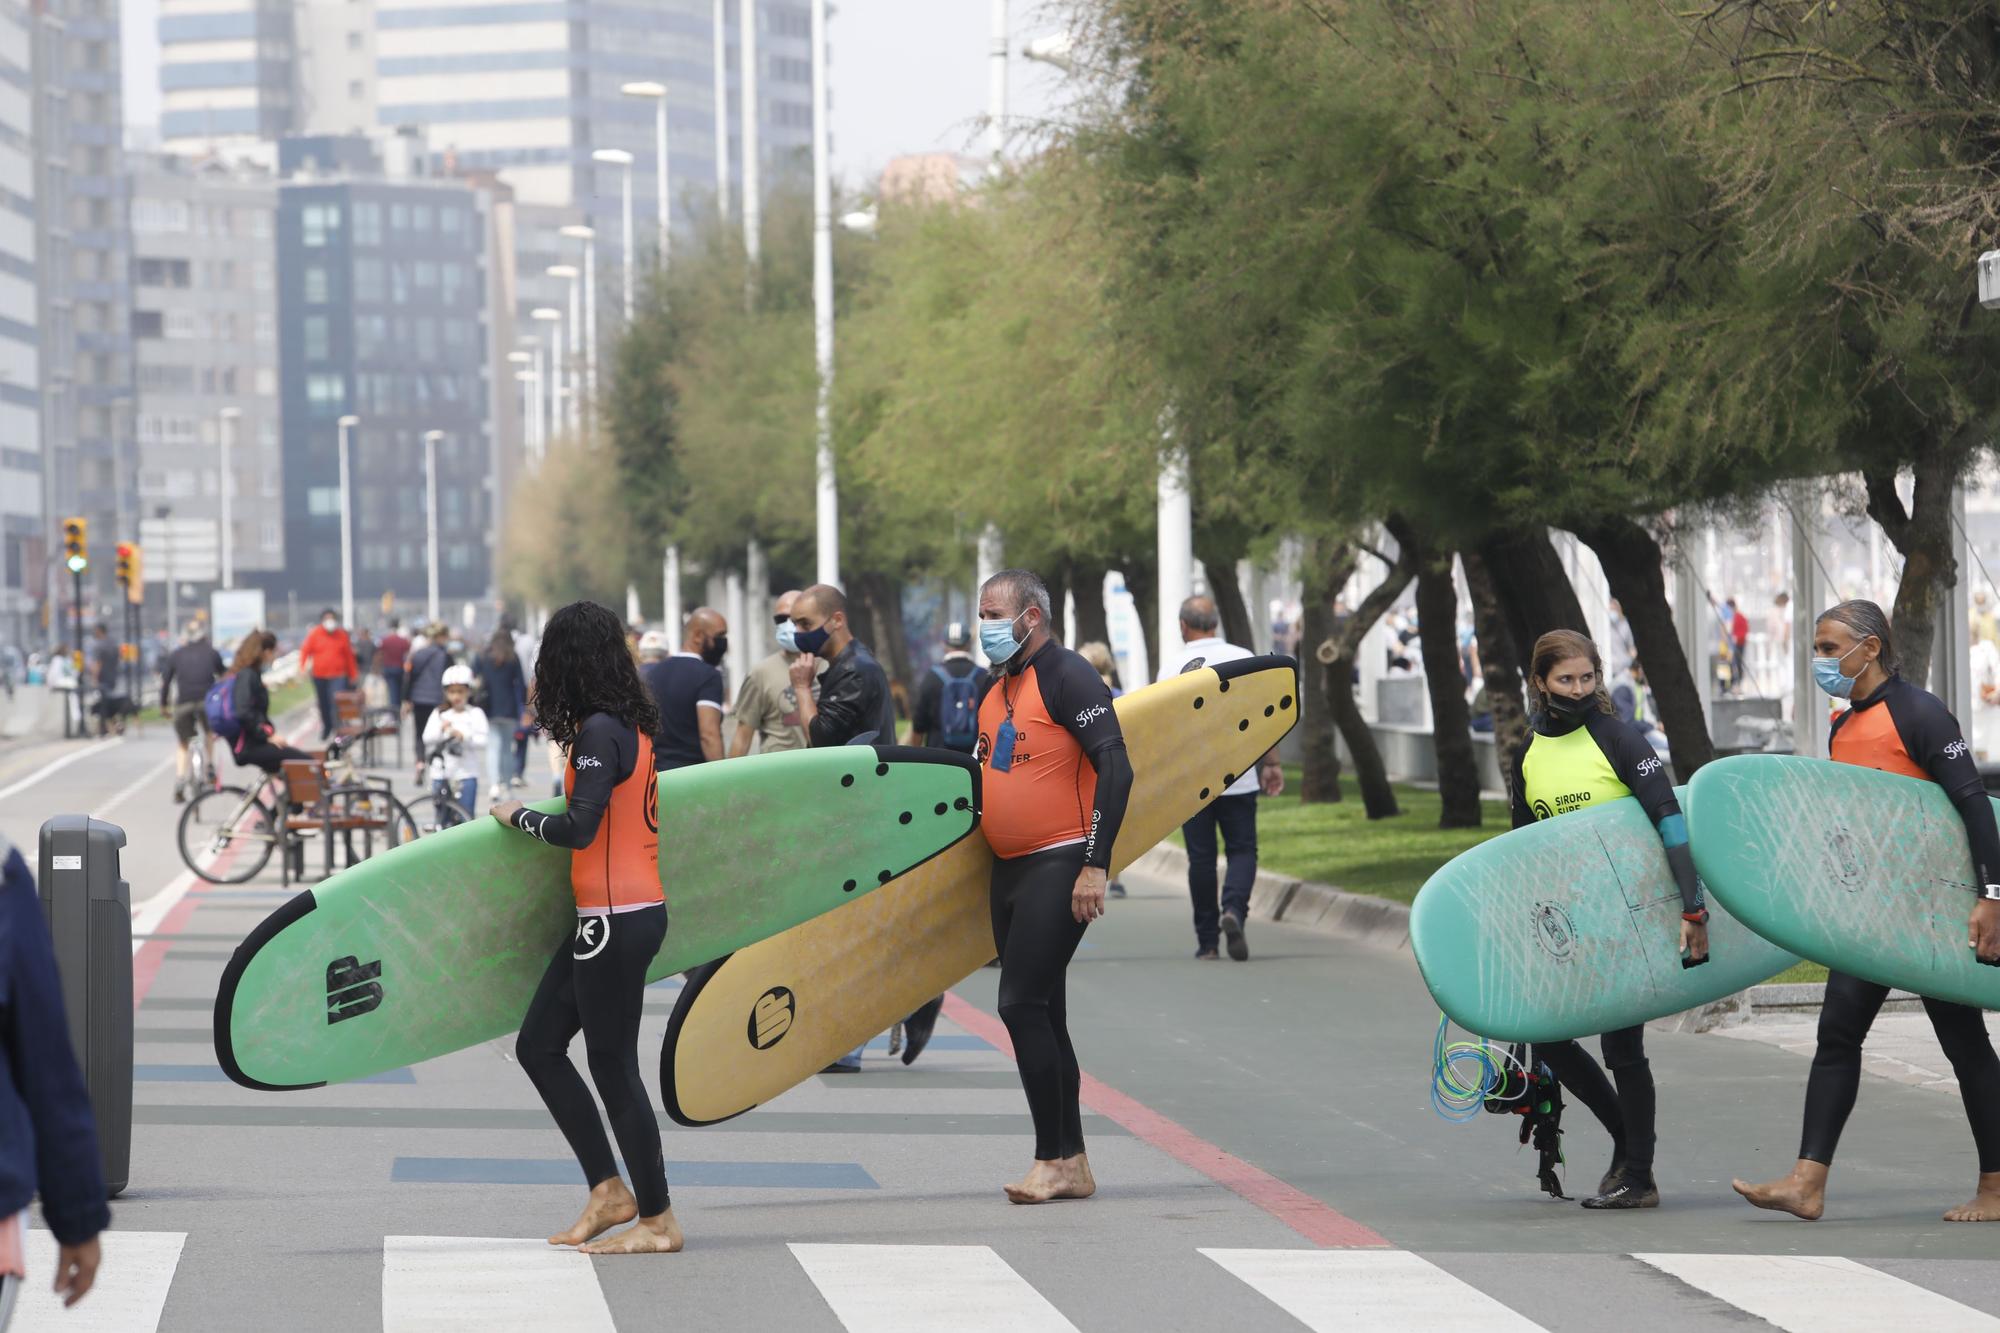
(1578, 755)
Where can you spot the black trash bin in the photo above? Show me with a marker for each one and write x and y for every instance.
(89, 909)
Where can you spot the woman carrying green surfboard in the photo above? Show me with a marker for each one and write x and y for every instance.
(590, 700)
(1579, 754)
(1897, 728)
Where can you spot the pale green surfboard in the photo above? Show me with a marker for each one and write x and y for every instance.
(439, 944)
(1571, 927)
(1864, 871)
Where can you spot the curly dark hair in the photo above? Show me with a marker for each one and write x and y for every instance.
(584, 667)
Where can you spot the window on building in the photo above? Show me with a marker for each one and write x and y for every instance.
(367, 223)
(367, 273)
(399, 217)
(160, 217)
(146, 324)
(425, 274)
(261, 273)
(318, 344)
(326, 395)
(356, 90)
(271, 535)
(452, 220)
(266, 329)
(399, 283)
(452, 282)
(322, 500)
(163, 273)
(184, 324)
(420, 217)
(318, 223)
(267, 382)
(427, 349)
(315, 284)
(371, 334)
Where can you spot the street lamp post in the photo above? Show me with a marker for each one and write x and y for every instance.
(588, 235)
(828, 492)
(431, 438)
(996, 86)
(165, 513)
(577, 341)
(753, 204)
(721, 76)
(346, 424)
(226, 437)
(658, 92)
(551, 316)
(531, 399)
(618, 157)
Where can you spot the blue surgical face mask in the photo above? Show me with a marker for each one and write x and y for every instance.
(1827, 674)
(786, 640)
(997, 641)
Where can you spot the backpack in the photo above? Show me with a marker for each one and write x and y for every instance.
(958, 710)
(219, 705)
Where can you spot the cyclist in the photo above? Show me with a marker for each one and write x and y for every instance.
(185, 676)
(589, 697)
(255, 747)
(461, 730)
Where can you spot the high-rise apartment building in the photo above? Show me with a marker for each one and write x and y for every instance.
(23, 521)
(384, 315)
(205, 339)
(83, 253)
(227, 70)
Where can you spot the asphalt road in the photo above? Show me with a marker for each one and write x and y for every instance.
(1261, 1134)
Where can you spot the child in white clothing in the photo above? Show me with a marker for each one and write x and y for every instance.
(456, 771)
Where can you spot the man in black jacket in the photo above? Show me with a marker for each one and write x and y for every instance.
(185, 675)
(853, 707)
(853, 704)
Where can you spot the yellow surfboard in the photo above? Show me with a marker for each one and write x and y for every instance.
(772, 1015)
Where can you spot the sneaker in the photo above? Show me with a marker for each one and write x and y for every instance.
(1206, 955)
(1631, 1190)
(1232, 933)
(842, 1067)
(1114, 890)
(180, 791)
(918, 1028)
(1610, 1181)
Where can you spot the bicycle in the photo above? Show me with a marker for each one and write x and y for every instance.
(436, 809)
(227, 833)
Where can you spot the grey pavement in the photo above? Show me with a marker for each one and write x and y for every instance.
(872, 1202)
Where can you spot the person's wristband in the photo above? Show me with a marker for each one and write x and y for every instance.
(1990, 893)
(1699, 916)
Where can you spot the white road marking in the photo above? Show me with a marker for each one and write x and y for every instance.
(1822, 1294)
(492, 1286)
(917, 1288)
(1360, 1290)
(130, 1292)
(130, 789)
(42, 775)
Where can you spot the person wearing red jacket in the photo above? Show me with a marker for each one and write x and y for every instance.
(327, 655)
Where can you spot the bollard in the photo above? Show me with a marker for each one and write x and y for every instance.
(89, 909)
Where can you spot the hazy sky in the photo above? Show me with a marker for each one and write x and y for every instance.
(909, 76)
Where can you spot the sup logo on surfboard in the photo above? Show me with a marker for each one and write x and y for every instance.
(1554, 931)
(771, 1017)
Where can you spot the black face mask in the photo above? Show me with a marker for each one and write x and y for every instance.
(716, 650)
(1564, 709)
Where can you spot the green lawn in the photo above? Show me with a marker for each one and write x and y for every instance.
(1801, 972)
(1336, 844)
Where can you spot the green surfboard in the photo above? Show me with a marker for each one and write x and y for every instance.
(439, 944)
(1570, 927)
(1864, 871)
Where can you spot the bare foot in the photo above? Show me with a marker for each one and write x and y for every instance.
(611, 1204)
(1985, 1205)
(653, 1235)
(1064, 1178)
(1802, 1193)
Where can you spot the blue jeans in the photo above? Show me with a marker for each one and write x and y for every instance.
(1236, 818)
(468, 791)
(394, 681)
(324, 688)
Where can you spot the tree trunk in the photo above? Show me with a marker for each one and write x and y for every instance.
(1534, 590)
(1437, 638)
(1086, 585)
(1378, 798)
(1922, 535)
(1218, 560)
(1058, 584)
(1635, 571)
(881, 606)
(1320, 782)
(1498, 672)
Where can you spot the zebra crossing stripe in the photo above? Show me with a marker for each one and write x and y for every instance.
(918, 1288)
(130, 1292)
(1820, 1294)
(1359, 1291)
(441, 1283)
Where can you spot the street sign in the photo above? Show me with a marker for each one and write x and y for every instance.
(234, 612)
(187, 550)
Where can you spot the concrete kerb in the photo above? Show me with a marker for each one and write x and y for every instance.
(1382, 924)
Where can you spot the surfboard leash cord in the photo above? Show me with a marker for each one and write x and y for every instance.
(1470, 1077)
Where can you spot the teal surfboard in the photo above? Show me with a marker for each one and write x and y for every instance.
(1571, 927)
(1864, 871)
(438, 945)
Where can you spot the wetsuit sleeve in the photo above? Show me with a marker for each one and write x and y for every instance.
(602, 755)
(1517, 789)
(1080, 702)
(1639, 767)
(35, 1043)
(844, 711)
(1931, 735)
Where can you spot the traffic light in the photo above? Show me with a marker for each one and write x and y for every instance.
(76, 544)
(128, 559)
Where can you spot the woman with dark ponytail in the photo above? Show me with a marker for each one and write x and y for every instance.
(1579, 754)
(1897, 728)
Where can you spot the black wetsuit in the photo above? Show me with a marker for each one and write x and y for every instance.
(1055, 783)
(1583, 764)
(1902, 729)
